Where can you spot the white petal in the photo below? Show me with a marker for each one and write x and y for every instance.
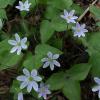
(77, 25)
(14, 49)
(72, 21)
(72, 12)
(23, 84)
(29, 87)
(19, 50)
(24, 40)
(26, 72)
(23, 45)
(56, 63)
(44, 59)
(51, 66)
(85, 30)
(18, 7)
(20, 3)
(17, 37)
(96, 88)
(56, 56)
(45, 96)
(34, 73)
(65, 12)
(97, 80)
(50, 55)
(99, 94)
(63, 16)
(46, 64)
(21, 78)
(48, 91)
(74, 17)
(39, 95)
(37, 78)
(12, 42)
(35, 86)
(20, 96)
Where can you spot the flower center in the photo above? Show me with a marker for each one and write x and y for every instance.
(30, 79)
(69, 17)
(78, 30)
(50, 60)
(43, 89)
(19, 44)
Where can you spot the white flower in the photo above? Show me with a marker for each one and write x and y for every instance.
(79, 30)
(18, 44)
(23, 6)
(1, 24)
(69, 16)
(29, 80)
(97, 88)
(20, 96)
(43, 90)
(51, 60)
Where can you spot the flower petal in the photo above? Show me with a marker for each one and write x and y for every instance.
(71, 13)
(52, 66)
(50, 55)
(56, 63)
(37, 78)
(35, 86)
(56, 56)
(23, 84)
(23, 45)
(12, 42)
(44, 59)
(26, 72)
(34, 73)
(95, 88)
(29, 87)
(20, 96)
(99, 94)
(13, 49)
(65, 12)
(19, 50)
(21, 78)
(46, 64)
(97, 80)
(24, 40)
(17, 37)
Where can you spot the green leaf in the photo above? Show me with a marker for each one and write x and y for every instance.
(6, 58)
(93, 42)
(95, 61)
(98, 24)
(15, 87)
(46, 31)
(3, 14)
(79, 71)
(29, 61)
(62, 4)
(77, 8)
(4, 3)
(59, 24)
(44, 49)
(72, 90)
(96, 11)
(41, 51)
(56, 81)
(51, 12)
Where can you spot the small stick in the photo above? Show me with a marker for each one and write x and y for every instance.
(80, 18)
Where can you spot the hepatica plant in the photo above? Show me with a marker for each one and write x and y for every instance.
(49, 47)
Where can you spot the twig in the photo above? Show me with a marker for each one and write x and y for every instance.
(80, 18)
